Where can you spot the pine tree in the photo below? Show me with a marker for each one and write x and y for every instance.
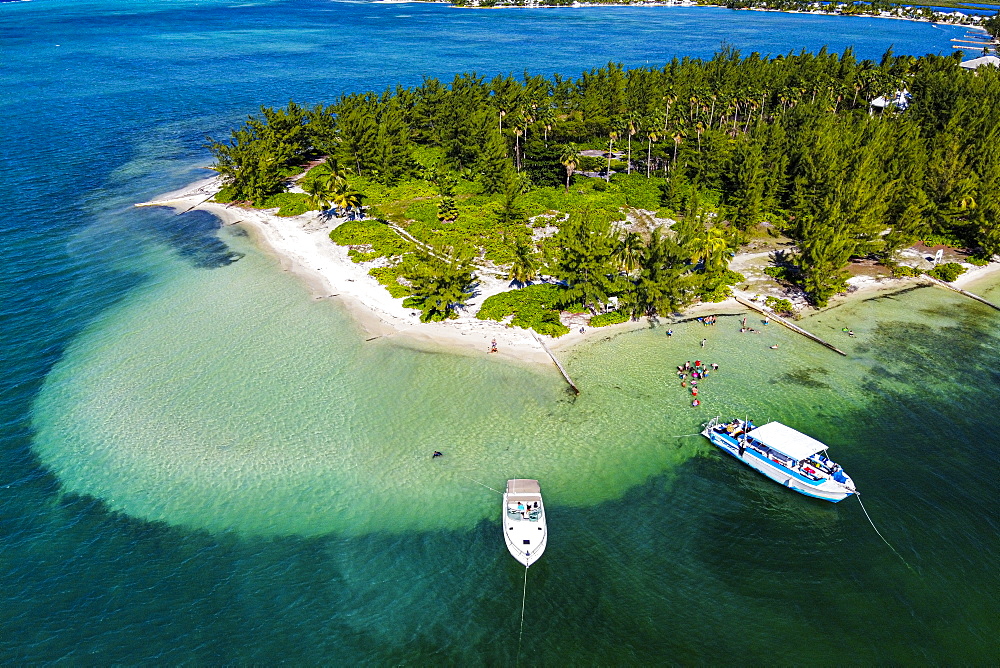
(493, 164)
(586, 263)
(441, 282)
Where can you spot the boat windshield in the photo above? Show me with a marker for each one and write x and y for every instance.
(524, 507)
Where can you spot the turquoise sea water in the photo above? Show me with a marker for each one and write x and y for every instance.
(204, 463)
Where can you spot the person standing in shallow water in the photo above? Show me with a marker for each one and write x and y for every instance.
(703, 342)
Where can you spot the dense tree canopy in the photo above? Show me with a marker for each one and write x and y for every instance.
(734, 142)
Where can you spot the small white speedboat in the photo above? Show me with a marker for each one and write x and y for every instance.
(523, 520)
(784, 455)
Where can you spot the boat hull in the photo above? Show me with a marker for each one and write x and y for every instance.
(525, 532)
(827, 490)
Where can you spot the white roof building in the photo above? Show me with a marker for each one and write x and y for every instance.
(976, 63)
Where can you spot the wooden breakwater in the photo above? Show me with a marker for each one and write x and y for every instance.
(174, 203)
(789, 325)
(961, 291)
(559, 366)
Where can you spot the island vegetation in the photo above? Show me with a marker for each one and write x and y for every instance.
(920, 11)
(625, 192)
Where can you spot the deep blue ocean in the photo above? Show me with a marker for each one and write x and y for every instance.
(666, 554)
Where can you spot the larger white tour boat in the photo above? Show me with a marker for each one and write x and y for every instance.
(523, 520)
(784, 455)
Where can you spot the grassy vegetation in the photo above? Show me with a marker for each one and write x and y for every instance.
(903, 271)
(947, 272)
(377, 236)
(781, 306)
(287, 204)
(389, 277)
(533, 307)
(610, 318)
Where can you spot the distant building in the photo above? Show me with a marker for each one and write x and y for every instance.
(976, 63)
(899, 101)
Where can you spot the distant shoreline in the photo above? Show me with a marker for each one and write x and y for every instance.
(953, 16)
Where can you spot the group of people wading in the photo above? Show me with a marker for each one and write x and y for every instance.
(697, 371)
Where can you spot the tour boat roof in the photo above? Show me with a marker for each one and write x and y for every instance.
(786, 440)
(523, 486)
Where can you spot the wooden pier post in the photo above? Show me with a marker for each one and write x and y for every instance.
(794, 328)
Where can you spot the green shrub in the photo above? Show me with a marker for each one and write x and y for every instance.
(383, 241)
(389, 277)
(224, 196)
(730, 277)
(905, 270)
(947, 272)
(609, 318)
(639, 192)
(783, 273)
(717, 294)
(600, 185)
(532, 308)
(779, 305)
(590, 163)
(950, 239)
(978, 260)
(288, 204)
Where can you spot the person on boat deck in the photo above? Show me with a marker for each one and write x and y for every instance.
(520, 506)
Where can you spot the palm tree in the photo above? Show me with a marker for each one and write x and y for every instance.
(612, 136)
(519, 124)
(628, 252)
(524, 267)
(352, 200)
(632, 126)
(651, 136)
(570, 158)
(319, 196)
(678, 136)
(712, 249)
(330, 173)
(699, 128)
(547, 117)
(324, 182)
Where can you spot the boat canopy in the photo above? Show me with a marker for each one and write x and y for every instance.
(786, 440)
(523, 486)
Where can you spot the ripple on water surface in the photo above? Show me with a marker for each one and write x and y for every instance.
(228, 399)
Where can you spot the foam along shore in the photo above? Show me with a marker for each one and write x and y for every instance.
(302, 245)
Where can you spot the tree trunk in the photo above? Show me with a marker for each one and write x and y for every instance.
(649, 156)
(610, 144)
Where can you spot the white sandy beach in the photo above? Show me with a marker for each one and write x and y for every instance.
(302, 245)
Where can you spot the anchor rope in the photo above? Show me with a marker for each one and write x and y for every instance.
(483, 484)
(520, 633)
(686, 435)
(858, 495)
